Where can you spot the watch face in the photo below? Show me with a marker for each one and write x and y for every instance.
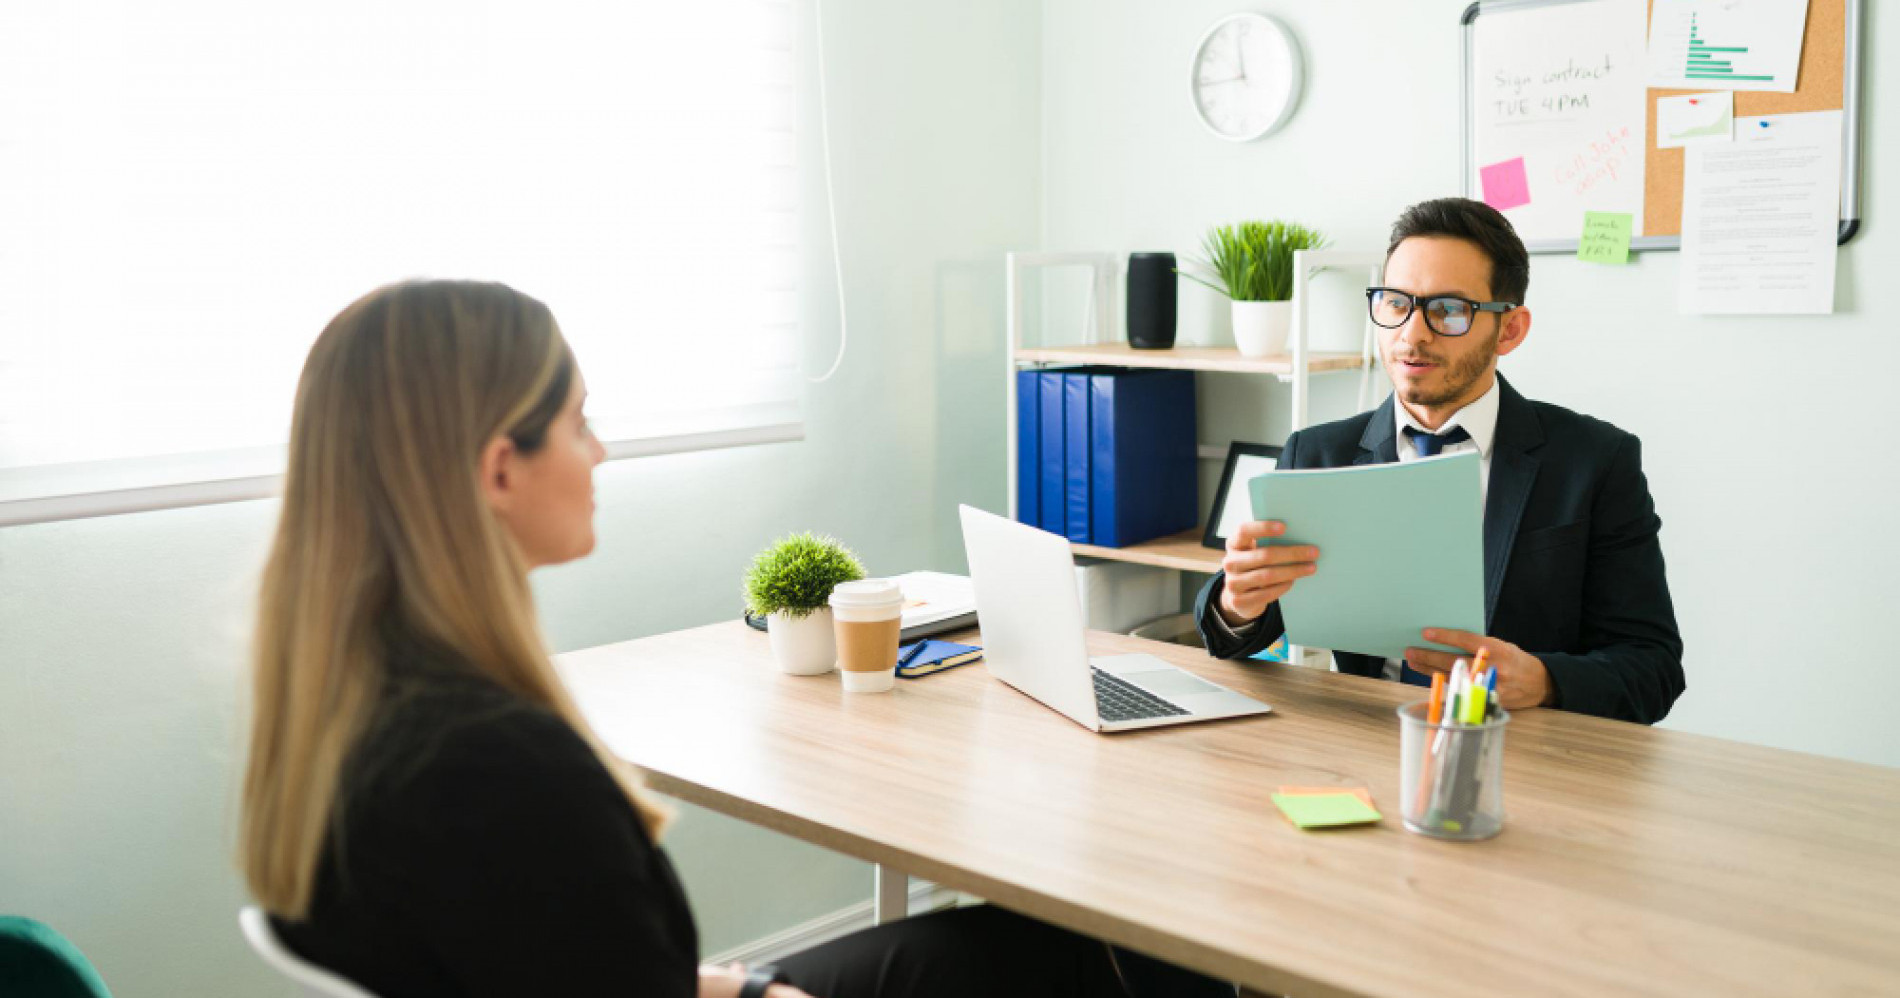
(1246, 77)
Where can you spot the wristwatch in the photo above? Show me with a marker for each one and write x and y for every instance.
(758, 979)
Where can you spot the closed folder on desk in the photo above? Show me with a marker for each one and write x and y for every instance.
(1401, 548)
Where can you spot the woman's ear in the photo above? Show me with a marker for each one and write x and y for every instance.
(494, 471)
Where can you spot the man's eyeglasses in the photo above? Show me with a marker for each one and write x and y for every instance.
(1447, 315)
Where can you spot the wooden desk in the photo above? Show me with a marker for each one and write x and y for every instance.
(1633, 860)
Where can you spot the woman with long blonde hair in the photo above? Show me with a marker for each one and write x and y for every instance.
(425, 811)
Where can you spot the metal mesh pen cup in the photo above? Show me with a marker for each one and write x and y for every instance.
(1451, 776)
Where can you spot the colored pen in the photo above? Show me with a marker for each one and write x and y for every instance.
(915, 650)
(1433, 712)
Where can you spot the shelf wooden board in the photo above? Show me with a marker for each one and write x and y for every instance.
(1187, 359)
(1181, 551)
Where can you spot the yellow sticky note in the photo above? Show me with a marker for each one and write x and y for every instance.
(1606, 237)
(1325, 810)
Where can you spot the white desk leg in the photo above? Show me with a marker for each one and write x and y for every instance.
(890, 899)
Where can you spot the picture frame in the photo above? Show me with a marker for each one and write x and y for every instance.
(1231, 499)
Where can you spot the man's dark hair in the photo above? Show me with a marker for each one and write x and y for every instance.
(1479, 224)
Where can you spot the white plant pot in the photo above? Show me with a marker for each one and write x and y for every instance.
(803, 646)
(1261, 327)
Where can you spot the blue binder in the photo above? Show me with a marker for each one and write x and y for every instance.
(1029, 448)
(1049, 454)
(1076, 446)
(1143, 479)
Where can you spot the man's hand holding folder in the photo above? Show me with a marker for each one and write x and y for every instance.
(1523, 681)
(1258, 575)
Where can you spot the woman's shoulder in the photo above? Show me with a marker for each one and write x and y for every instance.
(443, 731)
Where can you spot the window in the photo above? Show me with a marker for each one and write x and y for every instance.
(189, 190)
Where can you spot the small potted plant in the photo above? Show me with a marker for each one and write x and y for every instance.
(789, 585)
(1252, 264)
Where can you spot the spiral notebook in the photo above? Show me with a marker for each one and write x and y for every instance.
(935, 656)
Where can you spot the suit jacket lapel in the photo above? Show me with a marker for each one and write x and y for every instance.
(1379, 444)
(1513, 471)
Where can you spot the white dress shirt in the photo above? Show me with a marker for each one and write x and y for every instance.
(1479, 419)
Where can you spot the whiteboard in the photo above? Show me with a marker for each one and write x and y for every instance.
(1563, 92)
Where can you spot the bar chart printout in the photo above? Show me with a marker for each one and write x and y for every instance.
(1726, 44)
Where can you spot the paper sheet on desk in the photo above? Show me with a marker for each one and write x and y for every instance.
(1761, 218)
(1401, 548)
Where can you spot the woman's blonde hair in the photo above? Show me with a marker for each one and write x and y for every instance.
(384, 522)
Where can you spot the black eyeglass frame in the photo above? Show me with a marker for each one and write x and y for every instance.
(1415, 302)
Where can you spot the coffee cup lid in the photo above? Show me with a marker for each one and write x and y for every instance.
(866, 593)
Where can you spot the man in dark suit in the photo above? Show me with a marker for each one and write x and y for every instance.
(1577, 609)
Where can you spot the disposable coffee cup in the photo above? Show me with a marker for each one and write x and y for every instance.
(867, 617)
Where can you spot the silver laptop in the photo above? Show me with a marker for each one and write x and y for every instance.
(1033, 638)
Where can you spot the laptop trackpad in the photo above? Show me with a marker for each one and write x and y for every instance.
(1171, 682)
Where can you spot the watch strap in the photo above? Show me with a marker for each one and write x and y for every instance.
(758, 979)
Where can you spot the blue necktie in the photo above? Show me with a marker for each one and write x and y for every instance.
(1429, 444)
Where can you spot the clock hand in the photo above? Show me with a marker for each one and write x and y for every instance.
(1225, 79)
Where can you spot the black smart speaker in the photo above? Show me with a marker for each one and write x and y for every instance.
(1151, 281)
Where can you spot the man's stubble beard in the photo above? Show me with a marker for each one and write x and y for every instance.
(1459, 378)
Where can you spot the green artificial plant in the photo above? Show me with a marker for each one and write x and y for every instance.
(796, 574)
(1253, 261)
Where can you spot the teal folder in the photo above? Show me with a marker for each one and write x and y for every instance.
(1401, 548)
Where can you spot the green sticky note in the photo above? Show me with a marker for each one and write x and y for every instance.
(1325, 810)
(1606, 237)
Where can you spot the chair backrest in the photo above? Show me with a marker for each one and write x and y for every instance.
(315, 981)
(37, 962)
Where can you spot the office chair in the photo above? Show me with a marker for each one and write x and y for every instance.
(315, 981)
(38, 962)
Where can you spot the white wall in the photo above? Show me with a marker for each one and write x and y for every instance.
(1767, 440)
(121, 639)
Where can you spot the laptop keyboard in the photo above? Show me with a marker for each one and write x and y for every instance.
(1119, 700)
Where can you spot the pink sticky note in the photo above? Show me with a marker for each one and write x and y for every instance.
(1504, 184)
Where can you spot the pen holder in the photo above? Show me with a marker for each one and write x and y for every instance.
(1451, 776)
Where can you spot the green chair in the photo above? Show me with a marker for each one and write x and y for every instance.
(36, 962)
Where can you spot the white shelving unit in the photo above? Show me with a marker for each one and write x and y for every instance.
(1181, 551)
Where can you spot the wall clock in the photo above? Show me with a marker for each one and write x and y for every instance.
(1246, 77)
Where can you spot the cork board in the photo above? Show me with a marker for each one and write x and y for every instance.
(1818, 87)
(1827, 80)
